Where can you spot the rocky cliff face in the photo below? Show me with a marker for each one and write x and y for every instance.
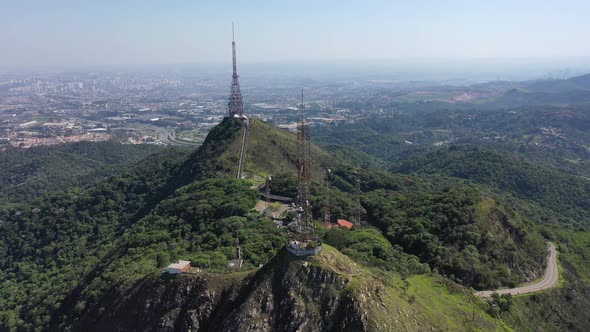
(327, 292)
(288, 294)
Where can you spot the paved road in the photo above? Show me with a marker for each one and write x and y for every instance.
(169, 138)
(550, 279)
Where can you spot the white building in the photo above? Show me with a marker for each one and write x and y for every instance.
(178, 267)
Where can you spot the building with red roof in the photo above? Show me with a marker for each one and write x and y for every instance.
(344, 223)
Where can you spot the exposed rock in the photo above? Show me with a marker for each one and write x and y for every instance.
(285, 295)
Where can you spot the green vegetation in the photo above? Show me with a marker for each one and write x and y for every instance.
(565, 195)
(406, 303)
(530, 172)
(66, 239)
(116, 232)
(562, 308)
(31, 173)
(428, 235)
(500, 304)
(556, 137)
(370, 248)
(448, 230)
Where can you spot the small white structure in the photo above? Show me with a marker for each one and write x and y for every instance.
(300, 248)
(235, 263)
(178, 267)
(238, 262)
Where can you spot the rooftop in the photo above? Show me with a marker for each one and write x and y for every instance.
(179, 265)
(345, 223)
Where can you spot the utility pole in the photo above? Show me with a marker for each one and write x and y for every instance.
(327, 215)
(267, 191)
(238, 249)
(357, 196)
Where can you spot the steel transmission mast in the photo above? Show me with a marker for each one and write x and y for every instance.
(236, 103)
(236, 108)
(304, 242)
(304, 173)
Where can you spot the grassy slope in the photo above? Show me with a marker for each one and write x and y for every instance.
(270, 151)
(419, 303)
(275, 151)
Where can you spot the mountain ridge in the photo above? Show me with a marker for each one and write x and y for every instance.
(114, 238)
(282, 295)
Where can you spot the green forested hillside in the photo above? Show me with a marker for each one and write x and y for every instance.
(56, 244)
(537, 155)
(563, 308)
(460, 229)
(26, 174)
(506, 154)
(75, 245)
(73, 258)
(556, 137)
(565, 195)
(478, 243)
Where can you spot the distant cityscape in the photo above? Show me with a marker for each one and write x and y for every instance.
(47, 109)
(180, 107)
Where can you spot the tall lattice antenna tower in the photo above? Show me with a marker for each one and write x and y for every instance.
(327, 212)
(303, 242)
(357, 196)
(304, 172)
(236, 103)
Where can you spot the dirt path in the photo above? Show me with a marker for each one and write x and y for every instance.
(550, 279)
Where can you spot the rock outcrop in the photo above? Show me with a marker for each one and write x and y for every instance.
(288, 294)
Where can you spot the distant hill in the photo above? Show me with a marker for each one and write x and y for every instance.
(553, 136)
(29, 173)
(571, 91)
(571, 84)
(566, 195)
(520, 97)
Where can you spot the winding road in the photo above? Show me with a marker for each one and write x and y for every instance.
(169, 137)
(550, 279)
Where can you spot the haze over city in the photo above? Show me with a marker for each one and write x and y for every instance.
(75, 33)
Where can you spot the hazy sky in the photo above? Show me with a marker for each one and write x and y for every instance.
(56, 32)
